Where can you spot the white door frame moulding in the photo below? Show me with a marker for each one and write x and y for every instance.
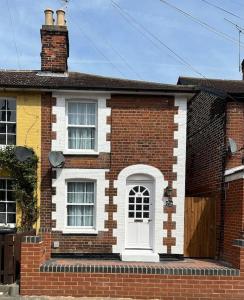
(159, 184)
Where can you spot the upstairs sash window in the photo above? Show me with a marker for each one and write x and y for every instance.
(7, 121)
(82, 125)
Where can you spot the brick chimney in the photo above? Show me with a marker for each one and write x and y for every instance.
(55, 43)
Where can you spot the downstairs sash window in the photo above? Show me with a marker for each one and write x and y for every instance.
(80, 204)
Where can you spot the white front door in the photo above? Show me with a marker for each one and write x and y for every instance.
(139, 215)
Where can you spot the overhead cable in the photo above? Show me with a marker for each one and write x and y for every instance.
(222, 9)
(154, 37)
(204, 24)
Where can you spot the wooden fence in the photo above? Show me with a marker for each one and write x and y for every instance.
(200, 226)
(10, 257)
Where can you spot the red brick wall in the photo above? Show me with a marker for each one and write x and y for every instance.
(235, 130)
(55, 48)
(234, 219)
(136, 286)
(142, 133)
(205, 161)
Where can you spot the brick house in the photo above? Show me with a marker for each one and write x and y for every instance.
(121, 189)
(213, 169)
(124, 146)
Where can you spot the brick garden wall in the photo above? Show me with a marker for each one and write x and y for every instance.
(142, 132)
(121, 285)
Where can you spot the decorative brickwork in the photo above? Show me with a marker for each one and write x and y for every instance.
(55, 48)
(142, 132)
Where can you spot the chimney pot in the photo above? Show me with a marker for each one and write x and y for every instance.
(61, 17)
(49, 17)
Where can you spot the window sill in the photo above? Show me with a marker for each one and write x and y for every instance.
(75, 152)
(79, 231)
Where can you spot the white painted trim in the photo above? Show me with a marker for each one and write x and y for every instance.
(64, 175)
(235, 176)
(234, 170)
(179, 168)
(120, 200)
(102, 128)
(140, 256)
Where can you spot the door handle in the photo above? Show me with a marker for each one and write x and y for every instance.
(149, 220)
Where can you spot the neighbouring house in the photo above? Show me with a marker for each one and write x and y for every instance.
(20, 125)
(215, 160)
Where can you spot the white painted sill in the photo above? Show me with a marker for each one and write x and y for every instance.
(79, 231)
(74, 152)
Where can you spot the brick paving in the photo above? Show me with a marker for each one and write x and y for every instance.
(186, 263)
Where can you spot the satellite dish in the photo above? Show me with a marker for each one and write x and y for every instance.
(56, 159)
(22, 153)
(231, 146)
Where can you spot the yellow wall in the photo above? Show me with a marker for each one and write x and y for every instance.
(28, 130)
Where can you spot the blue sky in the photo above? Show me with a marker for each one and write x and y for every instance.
(118, 44)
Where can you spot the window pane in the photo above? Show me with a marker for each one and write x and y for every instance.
(2, 184)
(9, 183)
(2, 139)
(11, 207)
(2, 207)
(11, 116)
(11, 139)
(81, 113)
(2, 195)
(11, 104)
(11, 128)
(2, 218)
(3, 116)
(2, 128)
(81, 138)
(3, 104)
(80, 192)
(10, 218)
(80, 215)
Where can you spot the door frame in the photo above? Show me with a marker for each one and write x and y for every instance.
(140, 181)
(159, 186)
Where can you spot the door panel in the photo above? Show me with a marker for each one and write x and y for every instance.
(139, 215)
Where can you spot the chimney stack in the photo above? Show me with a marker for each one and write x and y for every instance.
(55, 43)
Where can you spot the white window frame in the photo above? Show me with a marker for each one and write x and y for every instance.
(81, 151)
(75, 228)
(59, 199)
(10, 225)
(9, 122)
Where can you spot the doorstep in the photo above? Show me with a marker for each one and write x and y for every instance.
(139, 256)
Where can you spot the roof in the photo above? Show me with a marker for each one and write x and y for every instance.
(81, 81)
(227, 86)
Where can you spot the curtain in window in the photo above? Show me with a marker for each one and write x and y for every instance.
(81, 115)
(81, 138)
(80, 193)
